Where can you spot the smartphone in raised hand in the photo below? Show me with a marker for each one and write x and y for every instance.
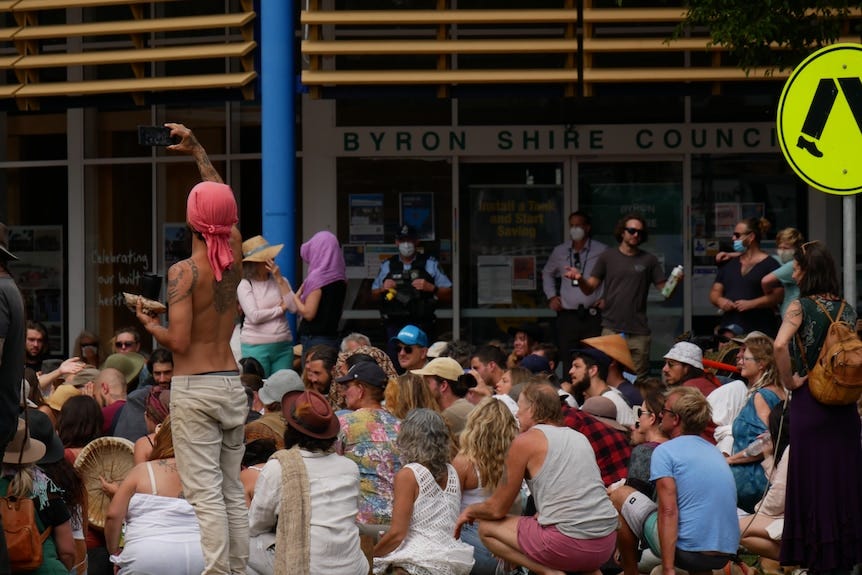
(156, 136)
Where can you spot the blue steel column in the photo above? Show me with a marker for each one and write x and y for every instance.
(278, 147)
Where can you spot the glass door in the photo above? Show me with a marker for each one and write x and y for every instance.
(512, 217)
(607, 191)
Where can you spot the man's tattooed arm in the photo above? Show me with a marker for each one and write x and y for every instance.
(180, 286)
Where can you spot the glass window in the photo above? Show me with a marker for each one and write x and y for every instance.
(34, 206)
(32, 137)
(375, 197)
(114, 133)
(726, 189)
(118, 242)
(513, 219)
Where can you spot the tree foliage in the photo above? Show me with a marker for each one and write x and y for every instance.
(770, 33)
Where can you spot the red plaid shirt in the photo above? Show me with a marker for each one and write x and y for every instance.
(611, 445)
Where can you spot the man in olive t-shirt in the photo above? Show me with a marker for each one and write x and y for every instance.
(626, 274)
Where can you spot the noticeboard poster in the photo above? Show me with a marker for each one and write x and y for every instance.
(39, 276)
(366, 218)
(417, 211)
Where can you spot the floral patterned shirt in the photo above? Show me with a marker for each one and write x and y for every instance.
(367, 436)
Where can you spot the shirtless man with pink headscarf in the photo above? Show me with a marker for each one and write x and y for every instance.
(208, 402)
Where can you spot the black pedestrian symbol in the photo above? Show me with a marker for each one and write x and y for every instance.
(821, 106)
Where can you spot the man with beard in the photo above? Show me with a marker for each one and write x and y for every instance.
(589, 374)
(36, 345)
(318, 368)
(626, 274)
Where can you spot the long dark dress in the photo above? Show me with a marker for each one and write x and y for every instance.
(823, 509)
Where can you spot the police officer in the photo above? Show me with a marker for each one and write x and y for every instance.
(409, 287)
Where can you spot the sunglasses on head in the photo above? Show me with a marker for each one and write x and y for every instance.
(804, 246)
(405, 348)
(124, 344)
(634, 231)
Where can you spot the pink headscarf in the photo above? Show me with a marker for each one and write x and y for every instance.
(325, 262)
(211, 210)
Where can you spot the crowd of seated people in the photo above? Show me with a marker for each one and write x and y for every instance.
(478, 459)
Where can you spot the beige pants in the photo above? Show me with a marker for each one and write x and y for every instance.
(208, 416)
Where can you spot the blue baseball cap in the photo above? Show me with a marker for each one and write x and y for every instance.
(535, 363)
(411, 335)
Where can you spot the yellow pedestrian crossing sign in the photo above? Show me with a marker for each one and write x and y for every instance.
(820, 119)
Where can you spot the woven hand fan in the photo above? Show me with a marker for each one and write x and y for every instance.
(108, 457)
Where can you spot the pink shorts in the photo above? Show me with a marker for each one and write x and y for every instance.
(547, 546)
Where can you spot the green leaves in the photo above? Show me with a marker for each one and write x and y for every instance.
(769, 33)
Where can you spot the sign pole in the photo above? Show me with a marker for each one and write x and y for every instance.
(850, 249)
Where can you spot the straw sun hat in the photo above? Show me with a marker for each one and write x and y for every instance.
(615, 347)
(257, 249)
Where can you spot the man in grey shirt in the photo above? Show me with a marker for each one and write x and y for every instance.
(626, 274)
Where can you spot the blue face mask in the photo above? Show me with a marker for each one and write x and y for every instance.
(738, 246)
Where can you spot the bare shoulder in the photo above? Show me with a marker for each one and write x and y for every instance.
(182, 279)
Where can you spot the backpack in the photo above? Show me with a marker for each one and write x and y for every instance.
(23, 540)
(836, 378)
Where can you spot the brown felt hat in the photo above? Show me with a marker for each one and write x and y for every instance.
(310, 413)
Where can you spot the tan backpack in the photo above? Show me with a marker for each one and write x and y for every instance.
(836, 378)
(23, 540)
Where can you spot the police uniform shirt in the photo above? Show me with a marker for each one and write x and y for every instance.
(438, 278)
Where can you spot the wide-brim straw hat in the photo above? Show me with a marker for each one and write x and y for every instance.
(61, 395)
(615, 347)
(257, 249)
(23, 449)
(109, 457)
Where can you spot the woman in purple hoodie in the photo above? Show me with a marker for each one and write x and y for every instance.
(320, 299)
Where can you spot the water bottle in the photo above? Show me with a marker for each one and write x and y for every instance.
(672, 280)
(755, 448)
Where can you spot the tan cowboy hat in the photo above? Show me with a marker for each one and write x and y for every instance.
(61, 395)
(23, 449)
(109, 457)
(257, 249)
(615, 347)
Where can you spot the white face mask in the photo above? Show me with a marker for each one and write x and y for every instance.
(406, 249)
(577, 233)
(785, 255)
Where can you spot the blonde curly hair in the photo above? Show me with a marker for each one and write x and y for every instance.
(486, 438)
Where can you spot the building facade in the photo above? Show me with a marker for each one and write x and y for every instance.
(487, 170)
